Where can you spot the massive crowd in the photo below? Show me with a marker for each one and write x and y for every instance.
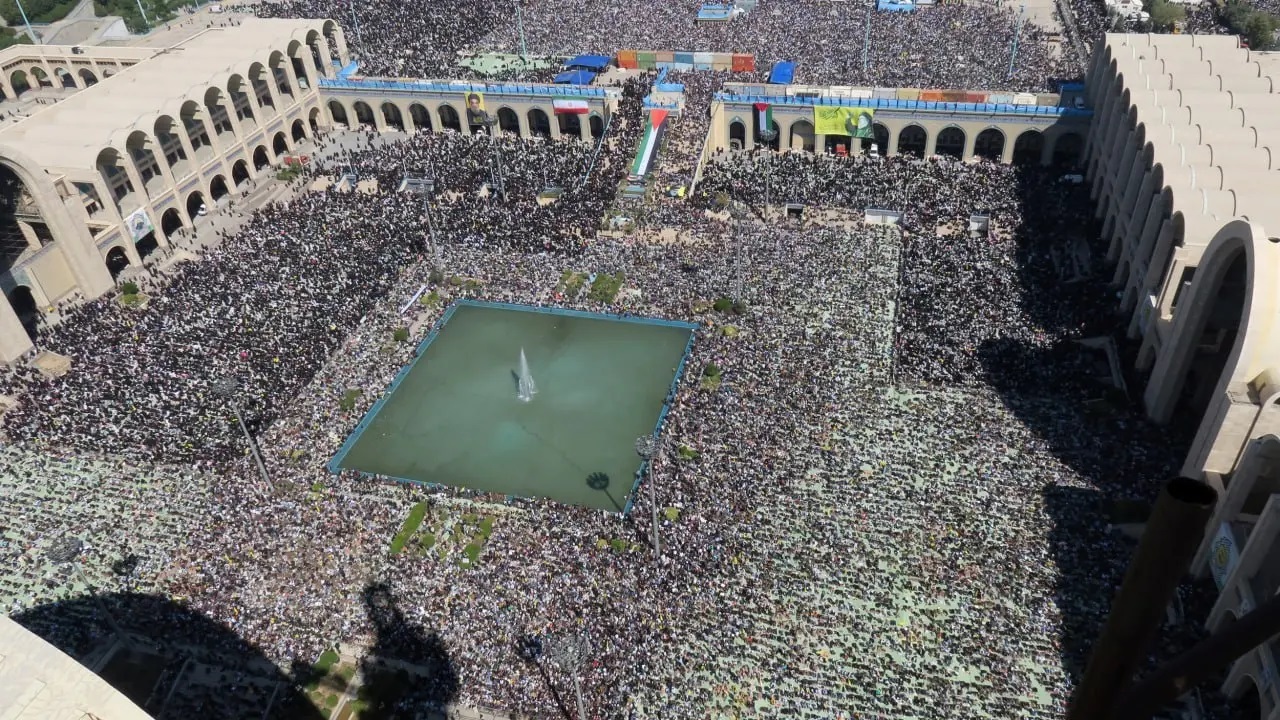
(965, 46)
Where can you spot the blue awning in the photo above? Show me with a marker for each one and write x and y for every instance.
(589, 62)
(575, 77)
(783, 72)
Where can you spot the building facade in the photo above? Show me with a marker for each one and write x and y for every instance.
(1181, 168)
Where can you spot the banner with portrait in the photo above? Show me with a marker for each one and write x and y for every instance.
(139, 224)
(475, 109)
(836, 120)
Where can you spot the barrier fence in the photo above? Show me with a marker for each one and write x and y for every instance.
(672, 60)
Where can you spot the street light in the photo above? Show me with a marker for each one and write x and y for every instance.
(768, 135)
(423, 186)
(65, 551)
(570, 653)
(227, 388)
(646, 448)
(496, 179)
(34, 38)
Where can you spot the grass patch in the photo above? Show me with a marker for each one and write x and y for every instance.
(410, 526)
(605, 288)
(709, 383)
(618, 545)
(729, 330)
(291, 172)
(571, 283)
(687, 453)
(400, 334)
(471, 555)
(431, 299)
(672, 513)
(349, 398)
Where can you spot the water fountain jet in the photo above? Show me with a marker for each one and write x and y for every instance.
(525, 389)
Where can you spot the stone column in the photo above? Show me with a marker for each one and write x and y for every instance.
(14, 341)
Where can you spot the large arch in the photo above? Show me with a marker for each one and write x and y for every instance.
(597, 126)
(238, 93)
(261, 158)
(879, 138)
(280, 144)
(1028, 148)
(196, 204)
(313, 121)
(171, 222)
(421, 118)
(117, 260)
(165, 130)
(801, 136)
(570, 125)
(508, 121)
(24, 305)
(539, 124)
(218, 188)
(280, 74)
(239, 173)
(912, 140)
(950, 142)
(1066, 150)
(87, 77)
(66, 80)
(138, 145)
(364, 113)
(20, 82)
(775, 143)
(110, 165)
(449, 118)
(989, 145)
(215, 105)
(258, 82)
(338, 113)
(40, 77)
(391, 116)
(737, 135)
(298, 130)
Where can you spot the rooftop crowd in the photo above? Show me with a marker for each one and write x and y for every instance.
(965, 46)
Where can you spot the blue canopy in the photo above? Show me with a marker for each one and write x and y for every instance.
(589, 62)
(575, 77)
(783, 72)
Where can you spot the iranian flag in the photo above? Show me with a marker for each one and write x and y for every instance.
(570, 107)
(764, 117)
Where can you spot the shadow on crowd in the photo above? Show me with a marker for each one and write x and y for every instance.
(176, 662)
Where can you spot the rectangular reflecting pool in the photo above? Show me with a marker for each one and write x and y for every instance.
(452, 416)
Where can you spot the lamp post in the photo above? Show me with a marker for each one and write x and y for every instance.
(34, 38)
(356, 23)
(65, 551)
(496, 179)
(1017, 31)
(646, 448)
(866, 45)
(227, 388)
(768, 135)
(424, 186)
(145, 19)
(570, 653)
(520, 31)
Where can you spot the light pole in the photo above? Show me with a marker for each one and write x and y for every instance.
(520, 31)
(1017, 31)
(145, 19)
(424, 186)
(27, 22)
(866, 45)
(496, 179)
(570, 653)
(646, 448)
(65, 551)
(227, 388)
(768, 135)
(356, 22)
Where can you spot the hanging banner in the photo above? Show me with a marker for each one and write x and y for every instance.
(834, 120)
(139, 224)
(764, 118)
(1223, 556)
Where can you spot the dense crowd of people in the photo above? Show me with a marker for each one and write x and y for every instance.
(963, 46)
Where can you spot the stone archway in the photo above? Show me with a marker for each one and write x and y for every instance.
(195, 205)
(299, 130)
(508, 121)
(879, 138)
(87, 77)
(218, 188)
(364, 113)
(20, 83)
(391, 116)
(597, 127)
(117, 260)
(66, 80)
(24, 305)
(570, 125)
(421, 118)
(989, 145)
(912, 141)
(1067, 149)
(1028, 148)
(539, 124)
(950, 143)
(261, 158)
(240, 173)
(313, 121)
(737, 135)
(801, 136)
(449, 118)
(171, 222)
(280, 144)
(338, 113)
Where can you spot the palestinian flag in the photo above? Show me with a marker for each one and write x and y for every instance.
(569, 107)
(764, 118)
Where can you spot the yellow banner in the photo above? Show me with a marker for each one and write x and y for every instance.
(834, 120)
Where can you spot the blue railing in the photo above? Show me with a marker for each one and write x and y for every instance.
(925, 105)
(577, 91)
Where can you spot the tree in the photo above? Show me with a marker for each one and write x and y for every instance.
(1164, 14)
(1260, 30)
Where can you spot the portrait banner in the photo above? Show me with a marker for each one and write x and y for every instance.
(475, 109)
(139, 224)
(835, 120)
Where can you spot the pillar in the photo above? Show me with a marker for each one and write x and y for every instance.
(14, 341)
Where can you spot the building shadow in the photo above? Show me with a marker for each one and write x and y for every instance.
(408, 671)
(177, 663)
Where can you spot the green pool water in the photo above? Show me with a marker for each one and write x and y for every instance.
(454, 418)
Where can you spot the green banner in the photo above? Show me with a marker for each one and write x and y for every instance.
(834, 120)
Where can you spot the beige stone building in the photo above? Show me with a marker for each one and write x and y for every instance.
(1183, 173)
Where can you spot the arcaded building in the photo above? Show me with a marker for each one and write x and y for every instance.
(1184, 160)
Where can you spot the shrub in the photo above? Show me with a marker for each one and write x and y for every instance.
(348, 401)
(472, 551)
(739, 307)
(401, 334)
(687, 453)
(712, 370)
(129, 287)
(410, 526)
(436, 277)
(723, 304)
